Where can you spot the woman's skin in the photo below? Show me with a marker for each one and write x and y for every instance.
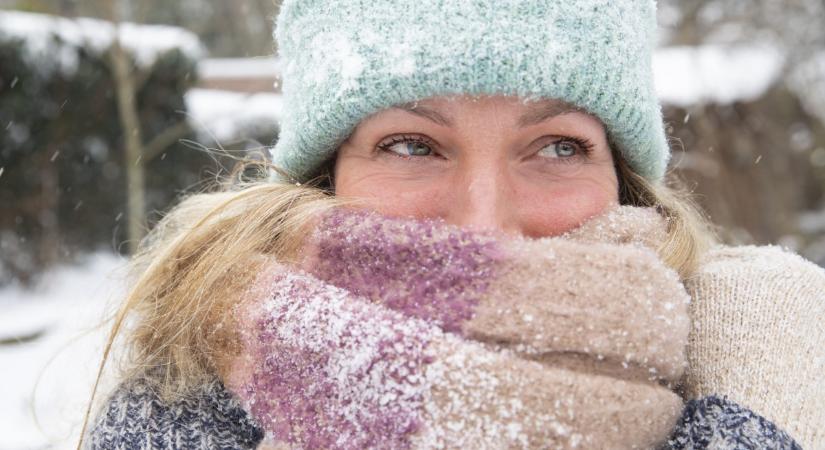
(536, 168)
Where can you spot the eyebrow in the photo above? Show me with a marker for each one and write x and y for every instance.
(535, 115)
(544, 111)
(426, 113)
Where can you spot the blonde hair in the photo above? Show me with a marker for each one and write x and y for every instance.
(193, 266)
(689, 233)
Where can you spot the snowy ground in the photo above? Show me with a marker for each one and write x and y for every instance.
(45, 382)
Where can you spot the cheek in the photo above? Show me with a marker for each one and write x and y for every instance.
(555, 210)
(390, 201)
(391, 195)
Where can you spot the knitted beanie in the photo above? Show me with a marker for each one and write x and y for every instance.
(345, 60)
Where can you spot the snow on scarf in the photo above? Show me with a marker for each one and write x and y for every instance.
(397, 333)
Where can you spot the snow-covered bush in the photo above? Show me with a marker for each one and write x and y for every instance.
(62, 180)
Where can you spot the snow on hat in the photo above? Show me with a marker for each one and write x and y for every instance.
(345, 60)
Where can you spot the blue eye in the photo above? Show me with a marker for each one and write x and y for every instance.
(407, 147)
(560, 149)
(412, 149)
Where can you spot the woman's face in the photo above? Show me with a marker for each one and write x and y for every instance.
(492, 163)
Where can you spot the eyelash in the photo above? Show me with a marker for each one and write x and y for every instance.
(584, 145)
(405, 139)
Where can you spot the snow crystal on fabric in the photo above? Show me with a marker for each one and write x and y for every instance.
(421, 268)
(336, 374)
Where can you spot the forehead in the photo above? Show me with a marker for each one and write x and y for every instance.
(525, 112)
(465, 102)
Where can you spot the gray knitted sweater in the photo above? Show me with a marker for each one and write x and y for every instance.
(135, 418)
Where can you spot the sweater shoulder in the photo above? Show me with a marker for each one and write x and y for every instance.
(136, 417)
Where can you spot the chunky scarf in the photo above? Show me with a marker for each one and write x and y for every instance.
(396, 333)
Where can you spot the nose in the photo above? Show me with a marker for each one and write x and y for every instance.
(483, 201)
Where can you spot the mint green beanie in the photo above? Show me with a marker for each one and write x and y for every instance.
(345, 60)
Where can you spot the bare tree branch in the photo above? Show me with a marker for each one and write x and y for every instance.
(132, 136)
(163, 140)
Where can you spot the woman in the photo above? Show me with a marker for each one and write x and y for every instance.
(469, 243)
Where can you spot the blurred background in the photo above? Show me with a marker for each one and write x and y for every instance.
(111, 110)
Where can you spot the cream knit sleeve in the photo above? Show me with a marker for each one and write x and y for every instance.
(758, 336)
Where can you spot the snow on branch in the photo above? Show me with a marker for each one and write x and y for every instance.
(224, 116)
(54, 42)
(715, 74)
(263, 67)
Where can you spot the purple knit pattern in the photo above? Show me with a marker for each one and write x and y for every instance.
(334, 371)
(424, 269)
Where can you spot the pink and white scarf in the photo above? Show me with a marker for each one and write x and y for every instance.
(396, 333)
